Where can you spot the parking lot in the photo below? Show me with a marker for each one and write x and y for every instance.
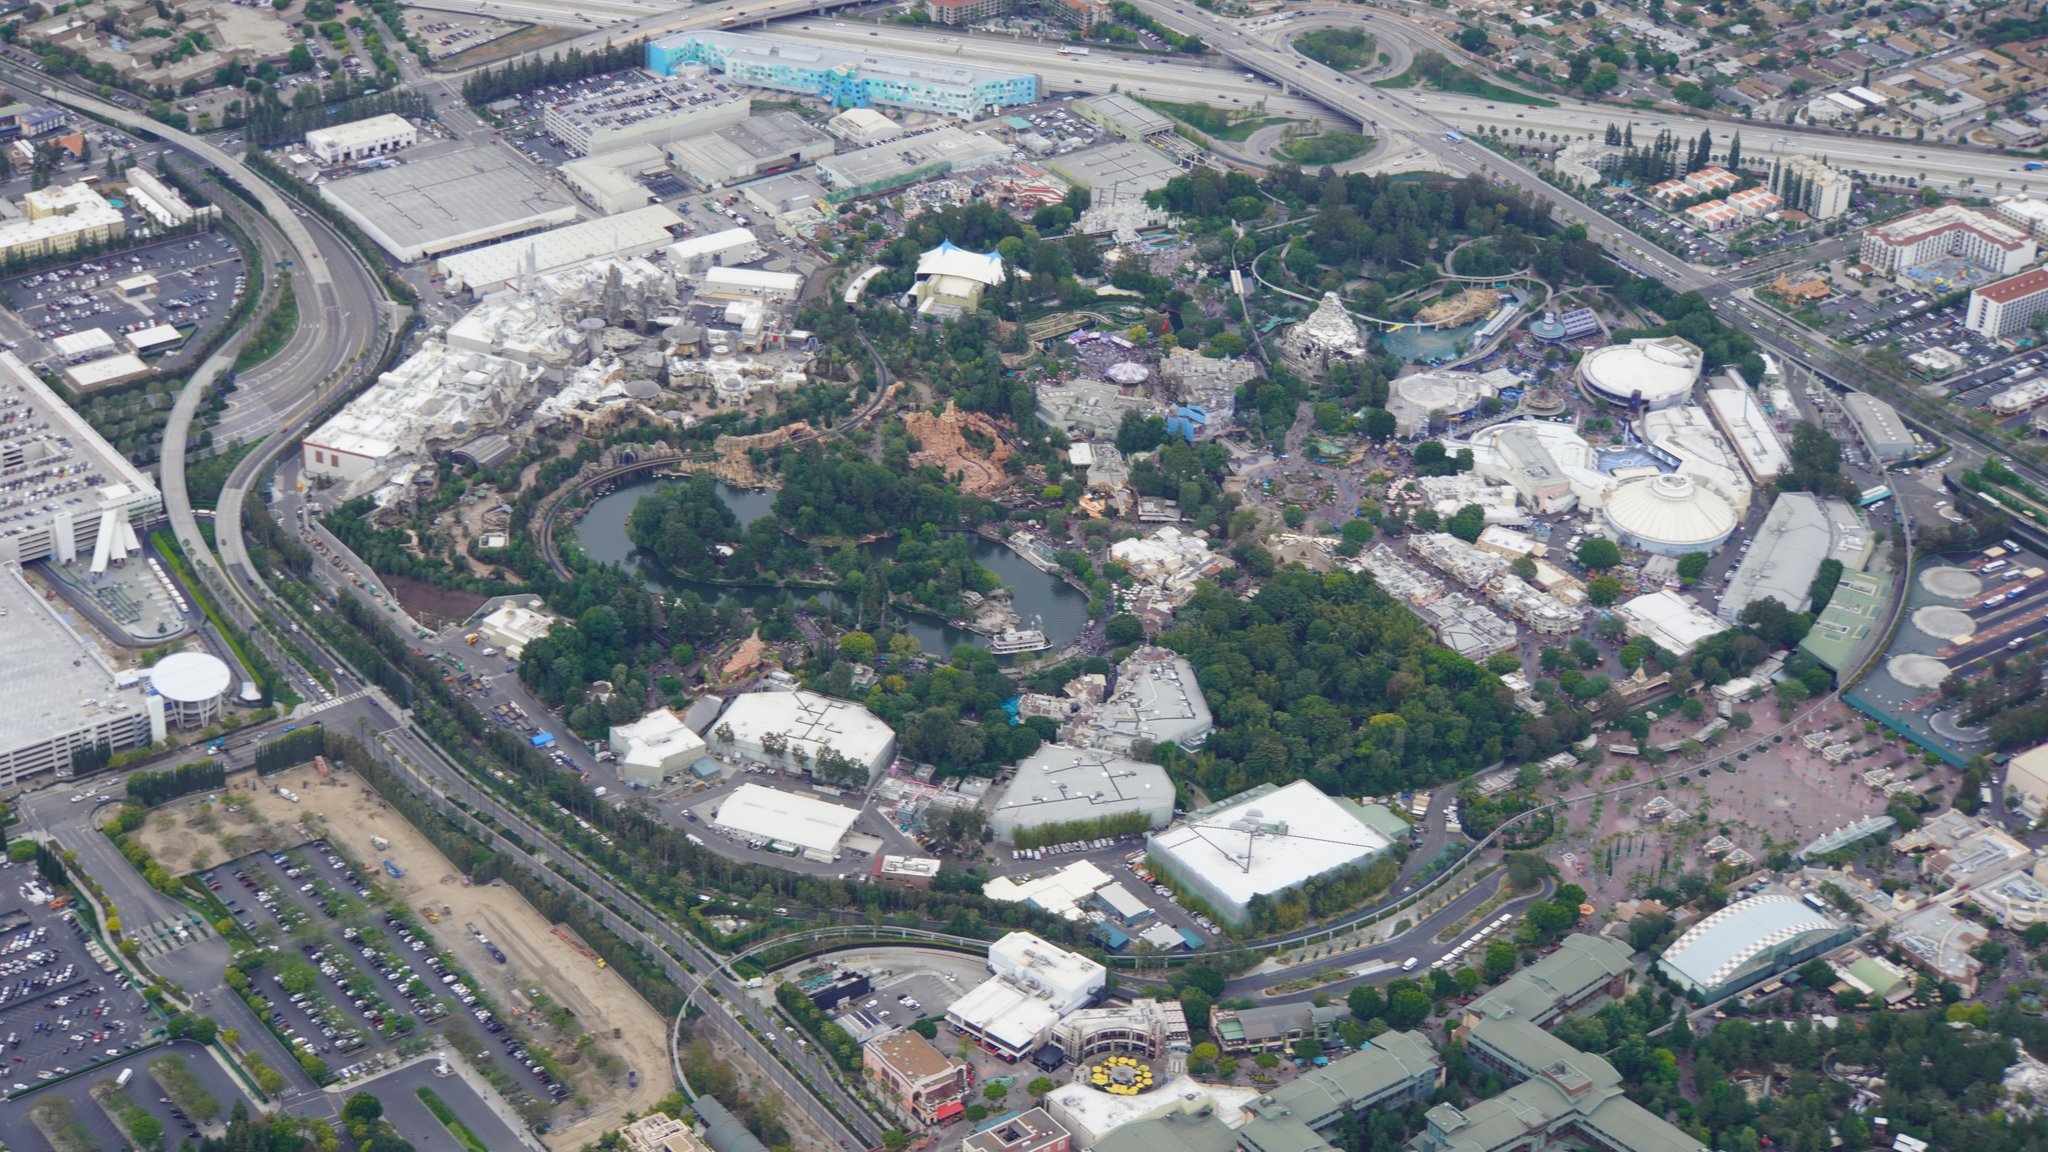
(198, 279)
(187, 1092)
(61, 1008)
(352, 980)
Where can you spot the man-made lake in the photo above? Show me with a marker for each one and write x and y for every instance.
(1421, 345)
(1060, 609)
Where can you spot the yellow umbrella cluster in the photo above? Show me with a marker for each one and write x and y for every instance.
(1121, 1076)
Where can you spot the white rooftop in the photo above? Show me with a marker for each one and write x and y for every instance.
(437, 394)
(1798, 533)
(1660, 369)
(790, 817)
(810, 721)
(52, 681)
(1671, 510)
(1675, 623)
(1059, 893)
(1743, 421)
(1719, 946)
(1269, 842)
(633, 233)
(946, 260)
(189, 677)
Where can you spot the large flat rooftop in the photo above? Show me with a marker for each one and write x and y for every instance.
(1269, 840)
(52, 681)
(425, 207)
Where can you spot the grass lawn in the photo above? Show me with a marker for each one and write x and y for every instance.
(1215, 123)
(1447, 78)
(1328, 148)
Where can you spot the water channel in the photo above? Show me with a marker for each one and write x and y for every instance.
(1059, 609)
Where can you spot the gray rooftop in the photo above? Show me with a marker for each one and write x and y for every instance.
(1559, 981)
(1799, 532)
(1058, 784)
(1880, 426)
(960, 149)
(636, 96)
(1726, 943)
(429, 206)
(1125, 114)
(52, 682)
(1319, 1096)
(1565, 1088)
(1156, 699)
(1117, 171)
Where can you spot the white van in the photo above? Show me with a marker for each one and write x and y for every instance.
(1409, 964)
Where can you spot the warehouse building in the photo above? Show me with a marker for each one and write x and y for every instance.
(909, 159)
(744, 150)
(1157, 700)
(1743, 422)
(1800, 531)
(1268, 842)
(656, 747)
(863, 127)
(843, 78)
(514, 624)
(639, 108)
(691, 255)
(610, 183)
(1748, 942)
(1032, 986)
(1878, 425)
(448, 202)
(792, 730)
(1058, 785)
(635, 233)
(1668, 620)
(361, 139)
(750, 284)
(787, 822)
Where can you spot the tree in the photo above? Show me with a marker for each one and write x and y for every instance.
(1599, 553)
(1379, 424)
(362, 1110)
(857, 646)
(1603, 590)
(1307, 1048)
(1467, 523)
(1692, 566)
(1500, 960)
(996, 1091)
(1039, 1087)
(1124, 628)
(1407, 1004)
(1365, 1002)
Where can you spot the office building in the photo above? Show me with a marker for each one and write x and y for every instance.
(960, 13)
(843, 78)
(1948, 231)
(60, 219)
(1810, 186)
(2009, 307)
(361, 139)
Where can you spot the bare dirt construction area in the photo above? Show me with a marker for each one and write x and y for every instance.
(348, 814)
(432, 606)
(1783, 796)
(966, 443)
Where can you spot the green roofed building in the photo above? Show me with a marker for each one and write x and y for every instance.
(1585, 972)
(1850, 619)
(1567, 1097)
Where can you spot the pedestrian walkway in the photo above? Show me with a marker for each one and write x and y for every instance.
(324, 705)
(161, 937)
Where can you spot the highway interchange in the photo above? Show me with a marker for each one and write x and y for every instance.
(332, 348)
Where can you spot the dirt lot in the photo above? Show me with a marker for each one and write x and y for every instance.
(432, 606)
(1782, 796)
(349, 815)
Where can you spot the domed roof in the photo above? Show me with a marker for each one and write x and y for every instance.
(189, 677)
(1670, 509)
(1660, 370)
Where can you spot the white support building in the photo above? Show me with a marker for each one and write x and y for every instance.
(787, 822)
(1032, 986)
(655, 747)
(1669, 621)
(361, 139)
(1743, 423)
(511, 627)
(163, 203)
(792, 729)
(692, 255)
(750, 284)
(638, 232)
(1059, 785)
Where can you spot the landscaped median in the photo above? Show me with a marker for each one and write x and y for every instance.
(446, 1116)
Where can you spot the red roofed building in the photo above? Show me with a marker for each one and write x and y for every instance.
(1931, 234)
(2007, 307)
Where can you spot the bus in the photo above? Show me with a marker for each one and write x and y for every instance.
(1070, 50)
(1872, 496)
(1452, 135)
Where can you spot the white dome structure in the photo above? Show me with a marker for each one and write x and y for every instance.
(1649, 373)
(192, 685)
(1670, 515)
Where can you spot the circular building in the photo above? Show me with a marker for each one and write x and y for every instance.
(1450, 395)
(1747, 942)
(1670, 515)
(1648, 374)
(192, 685)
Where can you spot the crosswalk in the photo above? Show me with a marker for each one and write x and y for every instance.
(160, 937)
(337, 702)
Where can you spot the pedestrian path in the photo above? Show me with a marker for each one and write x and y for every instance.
(324, 705)
(160, 937)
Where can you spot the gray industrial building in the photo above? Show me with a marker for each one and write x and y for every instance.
(1799, 532)
(1880, 428)
(1062, 785)
(908, 159)
(444, 203)
(748, 148)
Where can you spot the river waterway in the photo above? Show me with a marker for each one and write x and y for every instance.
(1058, 608)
